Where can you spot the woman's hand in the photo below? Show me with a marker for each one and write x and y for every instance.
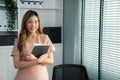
(42, 58)
(29, 56)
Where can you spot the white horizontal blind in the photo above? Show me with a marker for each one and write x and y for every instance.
(111, 41)
(91, 37)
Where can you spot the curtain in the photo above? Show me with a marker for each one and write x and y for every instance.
(77, 35)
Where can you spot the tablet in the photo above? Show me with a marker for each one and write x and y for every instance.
(39, 49)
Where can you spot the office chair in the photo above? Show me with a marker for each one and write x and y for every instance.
(69, 72)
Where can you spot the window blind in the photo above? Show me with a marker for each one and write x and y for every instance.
(111, 41)
(91, 37)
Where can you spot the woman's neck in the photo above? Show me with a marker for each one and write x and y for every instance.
(32, 37)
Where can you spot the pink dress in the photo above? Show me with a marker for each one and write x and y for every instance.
(36, 72)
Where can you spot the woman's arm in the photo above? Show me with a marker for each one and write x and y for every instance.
(48, 60)
(31, 60)
(24, 64)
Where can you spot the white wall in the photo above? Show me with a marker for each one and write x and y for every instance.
(3, 20)
(58, 59)
(7, 70)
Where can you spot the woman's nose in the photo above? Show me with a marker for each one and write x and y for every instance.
(33, 24)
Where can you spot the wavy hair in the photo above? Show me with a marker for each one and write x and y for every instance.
(24, 33)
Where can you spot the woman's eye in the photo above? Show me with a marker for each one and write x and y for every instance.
(30, 22)
(36, 22)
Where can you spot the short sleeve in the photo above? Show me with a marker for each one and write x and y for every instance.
(52, 48)
(15, 50)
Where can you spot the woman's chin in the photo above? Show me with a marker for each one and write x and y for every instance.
(32, 31)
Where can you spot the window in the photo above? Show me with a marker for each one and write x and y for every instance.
(102, 63)
(2, 2)
(91, 37)
(111, 41)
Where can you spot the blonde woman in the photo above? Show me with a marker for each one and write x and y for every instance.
(30, 67)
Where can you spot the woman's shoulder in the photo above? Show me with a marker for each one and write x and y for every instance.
(16, 40)
(43, 35)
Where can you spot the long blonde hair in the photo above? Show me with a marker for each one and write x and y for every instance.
(24, 32)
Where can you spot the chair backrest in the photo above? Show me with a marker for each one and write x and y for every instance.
(69, 72)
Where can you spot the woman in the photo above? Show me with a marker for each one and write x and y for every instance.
(30, 67)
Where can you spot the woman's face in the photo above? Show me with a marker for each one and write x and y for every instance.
(32, 24)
